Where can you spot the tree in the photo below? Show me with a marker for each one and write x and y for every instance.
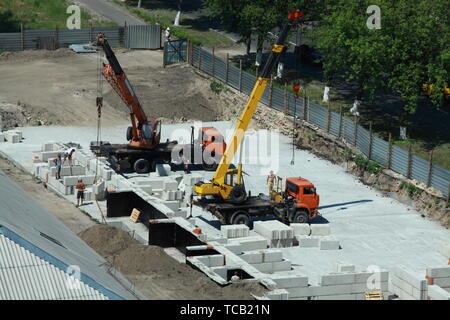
(410, 49)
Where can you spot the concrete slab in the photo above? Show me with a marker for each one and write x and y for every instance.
(301, 229)
(307, 241)
(437, 293)
(329, 243)
(320, 229)
(345, 267)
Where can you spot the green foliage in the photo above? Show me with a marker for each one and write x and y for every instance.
(216, 87)
(40, 14)
(410, 49)
(447, 205)
(367, 165)
(410, 188)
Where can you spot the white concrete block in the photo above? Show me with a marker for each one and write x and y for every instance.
(2, 137)
(329, 243)
(345, 267)
(163, 170)
(50, 155)
(49, 146)
(301, 229)
(273, 229)
(73, 180)
(337, 297)
(299, 292)
(170, 185)
(437, 293)
(439, 272)
(444, 249)
(168, 195)
(252, 243)
(172, 205)
(216, 260)
(266, 267)
(442, 282)
(320, 229)
(307, 241)
(272, 255)
(147, 189)
(236, 248)
(234, 231)
(88, 195)
(281, 243)
(12, 137)
(290, 281)
(252, 257)
(278, 294)
(337, 279)
(403, 273)
(284, 265)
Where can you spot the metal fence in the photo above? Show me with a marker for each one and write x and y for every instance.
(142, 37)
(175, 51)
(374, 148)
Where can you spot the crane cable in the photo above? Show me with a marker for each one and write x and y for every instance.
(99, 103)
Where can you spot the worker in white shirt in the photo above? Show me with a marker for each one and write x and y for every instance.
(68, 155)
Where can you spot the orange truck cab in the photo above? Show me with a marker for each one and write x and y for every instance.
(305, 199)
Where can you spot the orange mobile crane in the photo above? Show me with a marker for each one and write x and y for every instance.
(144, 151)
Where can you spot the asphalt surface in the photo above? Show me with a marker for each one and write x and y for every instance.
(111, 12)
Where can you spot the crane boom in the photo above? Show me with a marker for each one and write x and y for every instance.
(144, 130)
(218, 185)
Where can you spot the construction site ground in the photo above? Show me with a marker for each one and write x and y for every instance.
(373, 229)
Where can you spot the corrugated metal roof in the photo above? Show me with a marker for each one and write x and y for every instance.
(24, 276)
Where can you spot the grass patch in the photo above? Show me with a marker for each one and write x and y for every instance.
(411, 189)
(190, 29)
(367, 165)
(41, 14)
(218, 87)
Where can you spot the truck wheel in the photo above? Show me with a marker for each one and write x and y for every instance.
(301, 216)
(240, 217)
(129, 133)
(210, 167)
(238, 194)
(141, 166)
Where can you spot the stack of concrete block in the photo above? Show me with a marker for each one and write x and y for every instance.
(290, 281)
(301, 229)
(170, 185)
(163, 170)
(99, 190)
(278, 294)
(320, 229)
(73, 180)
(12, 136)
(2, 137)
(252, 243)
(407, 285)
(329, 243)
(235, 231)
(437, 293)
(89, 194)
(37, 167)
(48, 156)
(69, 171)
(267, 261)
(278, 234)
(307, 241)
(214, 260)
(439, 276)
(342, 267)
(49, 146)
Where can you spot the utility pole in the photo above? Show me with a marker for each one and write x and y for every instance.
(139, 3)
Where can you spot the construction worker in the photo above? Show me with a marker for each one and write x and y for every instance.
(168, 34)
(270, 180)
(58, 164)
(68, 155)
(185, 165)
(80, 191)
(235, 277)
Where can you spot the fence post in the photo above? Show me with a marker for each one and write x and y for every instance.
(240, 75)
(408, 174)
(328, 117)
(125, 36)
(448, 194)
(90, 31)
(389, 154)
(200, 59)
(305, 107)
(430, 168)
(189, 52)
(164, 56)
(57, 36)
(22, 36)
(285, 99)
(270, 91)
(227, 68)
(355, 130)
(340, 123)
(213, 63)
(370, 140)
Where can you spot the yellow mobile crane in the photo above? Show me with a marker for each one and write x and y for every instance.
(223, 184)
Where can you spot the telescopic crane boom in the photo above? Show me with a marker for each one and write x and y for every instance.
(229, 188)
(144, 132)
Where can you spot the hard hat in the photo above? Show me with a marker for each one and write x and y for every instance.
(168, 28)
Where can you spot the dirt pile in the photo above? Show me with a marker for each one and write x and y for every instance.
(156, 274)
(21, 114)
(176, 95)
(30, 55)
